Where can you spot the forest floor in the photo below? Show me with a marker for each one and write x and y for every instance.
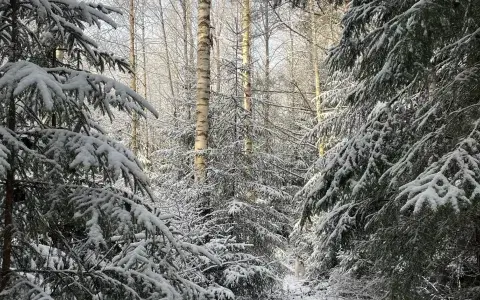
(298, 289)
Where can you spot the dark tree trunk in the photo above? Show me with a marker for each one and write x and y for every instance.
(10, 179)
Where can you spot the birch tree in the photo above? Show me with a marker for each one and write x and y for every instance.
(246, 75)
(204, 45)
(133, 64)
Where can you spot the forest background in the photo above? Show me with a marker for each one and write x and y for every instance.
(194, 149)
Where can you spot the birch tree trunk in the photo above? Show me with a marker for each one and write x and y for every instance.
(133, 82)
(191, 66)
(10, 178)
(246, 65)
(247, 89)
(145, 91)
(267, 77)
(186, 65)
(186, 21)
(203, 89)
(218, 20)
(314, 49)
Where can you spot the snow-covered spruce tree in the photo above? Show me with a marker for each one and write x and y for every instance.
(74, 222)
(400, 197)
(338, 121)
(243, 234)
(249, 197)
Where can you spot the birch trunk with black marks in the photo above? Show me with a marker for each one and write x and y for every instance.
(246, 72)
(203, 90)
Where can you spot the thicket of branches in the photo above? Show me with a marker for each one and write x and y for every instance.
(76, 225)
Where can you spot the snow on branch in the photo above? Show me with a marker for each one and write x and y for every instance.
(113, 93)
(96, 150)
(53, 84)
(70, 16)
(453, 179)
(23, 75)
(341, 216)
(94, 202)
(358, 163)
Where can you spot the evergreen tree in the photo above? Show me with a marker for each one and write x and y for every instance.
(75, 225)
(399, 197)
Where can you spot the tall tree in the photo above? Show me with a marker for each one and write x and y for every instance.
(401, 192)
(188, 56)
(316, 70)
(267, 85)
(147, 146)
(203, 89)
(14, 49)
(167, 59)
(133, 64)
(246, 74)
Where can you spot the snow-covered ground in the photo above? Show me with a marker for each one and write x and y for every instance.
(297, 289)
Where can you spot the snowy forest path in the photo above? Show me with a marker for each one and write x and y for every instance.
(297, 288)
